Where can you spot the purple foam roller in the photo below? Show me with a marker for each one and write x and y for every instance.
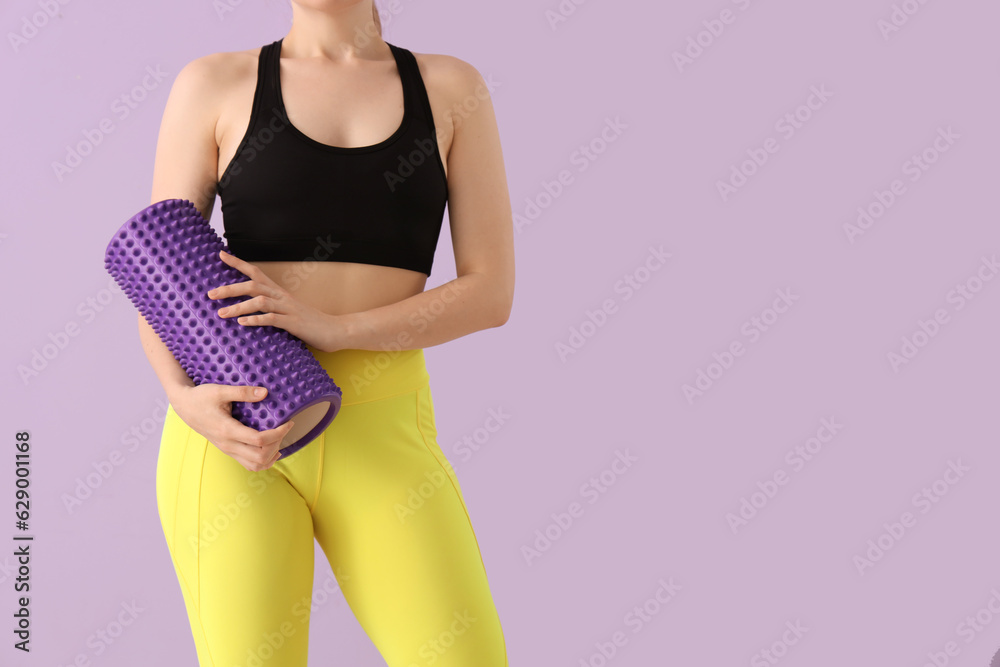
(166, 258)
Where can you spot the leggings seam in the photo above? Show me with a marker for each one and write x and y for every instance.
(197, 528)
(201, 479)
(380, 397)
(177, 485)
(319, 472)
(461, 500)
(173, 546)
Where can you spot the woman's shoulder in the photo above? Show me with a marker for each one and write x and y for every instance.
(222, 67)
(210, 83)
(453, 78)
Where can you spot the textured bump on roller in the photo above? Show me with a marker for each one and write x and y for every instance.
(166, 258)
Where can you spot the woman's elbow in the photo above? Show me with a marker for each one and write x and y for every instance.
(495, 293)
(500, 317)
(504, 302)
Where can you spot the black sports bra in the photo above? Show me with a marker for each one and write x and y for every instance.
(288, 197)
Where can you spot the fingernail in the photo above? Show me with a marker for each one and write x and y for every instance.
(259, 391)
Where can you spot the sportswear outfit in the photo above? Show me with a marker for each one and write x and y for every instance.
(374, 489)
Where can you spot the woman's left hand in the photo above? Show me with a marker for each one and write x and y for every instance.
(278, 306)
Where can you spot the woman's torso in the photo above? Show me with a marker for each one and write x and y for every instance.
(340, 108)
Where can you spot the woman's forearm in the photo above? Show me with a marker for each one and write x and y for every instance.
(168, 370)
(459, 307)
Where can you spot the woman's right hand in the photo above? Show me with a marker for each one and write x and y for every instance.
(207, 408)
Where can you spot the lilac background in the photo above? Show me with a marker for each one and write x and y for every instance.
(665, 517)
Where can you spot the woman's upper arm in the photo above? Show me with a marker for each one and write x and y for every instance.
(187, 154)
(479, 207)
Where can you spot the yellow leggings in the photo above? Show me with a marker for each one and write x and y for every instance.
(378, 494)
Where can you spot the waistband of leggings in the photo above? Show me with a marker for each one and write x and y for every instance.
(368, 375)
